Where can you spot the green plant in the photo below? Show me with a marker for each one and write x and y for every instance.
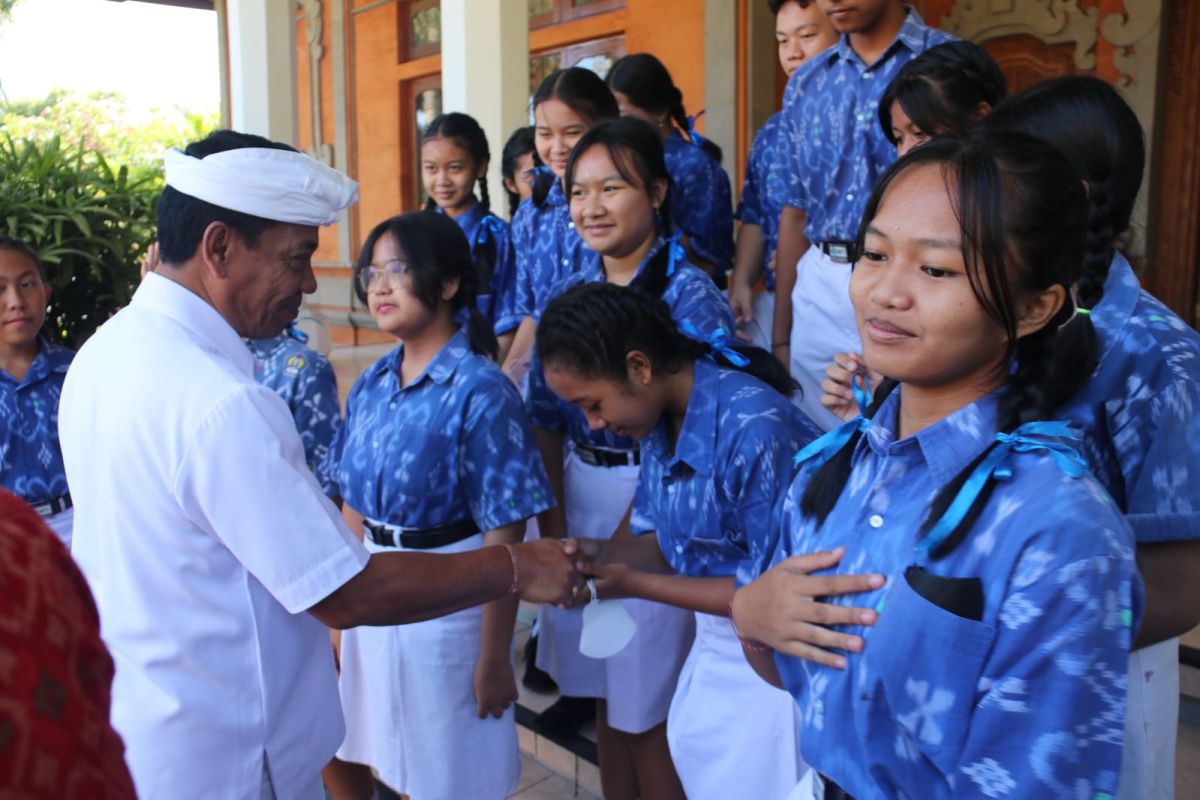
(90, 222)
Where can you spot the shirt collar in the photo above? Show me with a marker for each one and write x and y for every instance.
(50, 358)
(1121, 293)
(443, 365)
(696, 445)
(203, 322)
(946, 446)
(469, 218)
(593, 268)
(911, 35)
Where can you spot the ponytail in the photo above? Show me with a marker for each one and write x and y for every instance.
(646, 82)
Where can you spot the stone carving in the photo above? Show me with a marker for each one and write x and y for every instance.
(1052, 21)
(312, 11)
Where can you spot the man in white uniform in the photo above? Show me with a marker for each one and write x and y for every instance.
(215, 559)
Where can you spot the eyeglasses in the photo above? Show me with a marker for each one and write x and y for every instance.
(393, 270)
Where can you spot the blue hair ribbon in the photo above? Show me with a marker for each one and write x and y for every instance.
(295, 333)
(718, 342)
(1056, 438)
(862, 393)
(676, 254)
(488, 223)
(826, 446)
(697, 139)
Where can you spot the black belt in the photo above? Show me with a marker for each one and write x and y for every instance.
(422, 538)
(597, 457)
(839, 252)
(833, 791)
(53, 506)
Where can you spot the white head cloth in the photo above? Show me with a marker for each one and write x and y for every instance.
(279, 185)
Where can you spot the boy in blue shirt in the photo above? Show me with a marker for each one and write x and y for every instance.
(32, 370)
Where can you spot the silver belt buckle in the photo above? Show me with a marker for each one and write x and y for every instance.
(44, 509)
(839, 252)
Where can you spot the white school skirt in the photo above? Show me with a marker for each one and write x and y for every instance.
(1151, 723)
(731, 733)
(409, 701)
(822, 324)
(759, 329)
(637, 682)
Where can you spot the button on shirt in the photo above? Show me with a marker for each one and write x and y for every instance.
(701, 205)
(835, 148)
(31, 464)
(691, 296)
(765, 188)
(305, 380)
(498, 305)
(1140, 411)
(1028, 701)
(710, 498)
(548, 248)
(205, 537)
(452, 444)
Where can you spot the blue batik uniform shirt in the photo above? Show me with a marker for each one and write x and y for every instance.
(548, 248)
(764, 189)
(498, 306)
(701, 204)
(305, 380)
(1027, 702)
(1140, 412)
(691, 296)
(31, 465)
(835, 148)
(710, 498)
(453, 443)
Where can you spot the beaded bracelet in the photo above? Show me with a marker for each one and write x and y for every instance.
(752, 645)
(515, 588)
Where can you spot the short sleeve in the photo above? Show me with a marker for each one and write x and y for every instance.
(244, 475)
(787, 172)
(504, 284)
(501, 467)
(749, 209)
(755, 482)
(694, 298)
(641, 520)
(318, 416)
(543, 406)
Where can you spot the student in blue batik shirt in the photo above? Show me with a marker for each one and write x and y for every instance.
(835, 152)
(1139, 413)
(718, 433)
(454, 158)
(32, 370)
(565, 105)
(517, 164)
(435, 455)
(305, 380)
(618, 186)
(801, 32)
(992, 661)
(700, 196)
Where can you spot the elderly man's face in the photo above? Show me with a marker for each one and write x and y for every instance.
(266, 283)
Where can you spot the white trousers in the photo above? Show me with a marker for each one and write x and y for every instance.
(1151, 723)
(822, 324)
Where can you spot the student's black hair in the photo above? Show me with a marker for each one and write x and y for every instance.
(1089, 121)
(637, 152)
(436, 251)
(182, 219)
(1022, 211)
(777, 5)
(646, 82)
(15, 245)
(520, 143)
(465, 132)
(942, 89)
(580, 90)
(590, 329)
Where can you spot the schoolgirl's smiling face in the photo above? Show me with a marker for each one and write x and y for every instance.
(521, 183)
(557, 127)
(614, 213)
(917, 313)
(390, 298)
(630, 408)
(449, 174)
(905, 132)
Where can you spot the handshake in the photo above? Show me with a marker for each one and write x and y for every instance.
(558, 571)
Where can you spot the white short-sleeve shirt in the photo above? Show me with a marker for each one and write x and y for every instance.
(205, 538)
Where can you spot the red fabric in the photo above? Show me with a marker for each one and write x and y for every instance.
(55, 673)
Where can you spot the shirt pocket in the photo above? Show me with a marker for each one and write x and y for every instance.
(920, 668)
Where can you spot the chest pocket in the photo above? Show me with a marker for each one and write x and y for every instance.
(919, 672)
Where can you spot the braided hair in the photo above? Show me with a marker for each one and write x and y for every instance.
(1089, 121)
(942, 89)
(637, 152)
(436, 252)
(1022, 212)
(592, 327)
(580, 90)
(519, 144)
(465, 132)
(646, 82)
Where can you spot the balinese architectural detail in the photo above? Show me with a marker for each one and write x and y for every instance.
(314, 27)
(1052, 21)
